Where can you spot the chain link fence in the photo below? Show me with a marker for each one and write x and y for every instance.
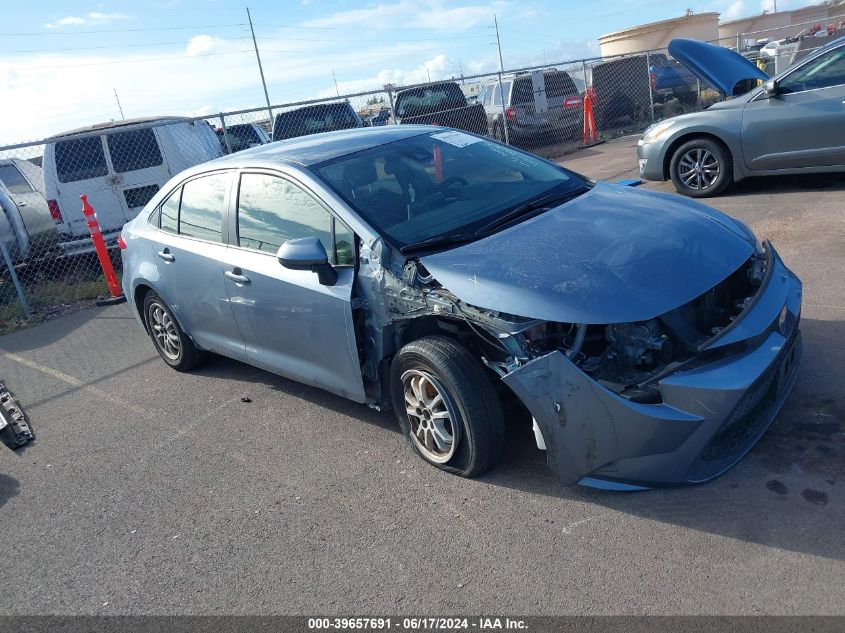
(48, 264)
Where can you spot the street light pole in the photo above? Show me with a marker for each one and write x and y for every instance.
(260, 69)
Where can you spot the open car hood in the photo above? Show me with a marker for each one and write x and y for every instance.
(612, 255)
(717, 66)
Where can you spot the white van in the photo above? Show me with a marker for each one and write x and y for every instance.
(120, 165)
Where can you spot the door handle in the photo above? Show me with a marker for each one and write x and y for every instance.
(166, 256)
(21, 204)
(236, 277)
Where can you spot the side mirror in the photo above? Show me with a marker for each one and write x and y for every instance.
(308, 253)
(770, 88)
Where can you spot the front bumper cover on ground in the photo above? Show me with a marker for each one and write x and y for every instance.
(710, 416)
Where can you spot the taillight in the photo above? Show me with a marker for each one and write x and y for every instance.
(572, 102)
(121, 243)
(653, 78)
(510, 113)
(55, 212)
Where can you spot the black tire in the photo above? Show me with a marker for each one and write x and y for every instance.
(186, 356)
(498, 132)
(478, 429)
(711, 154)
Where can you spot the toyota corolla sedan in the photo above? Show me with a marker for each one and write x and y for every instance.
(441, 274)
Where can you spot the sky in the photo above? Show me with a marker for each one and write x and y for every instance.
(61, 61)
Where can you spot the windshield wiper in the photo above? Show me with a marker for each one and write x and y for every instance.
(437, 240)
(537, 204)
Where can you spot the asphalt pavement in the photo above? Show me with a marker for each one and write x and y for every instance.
(232, 491)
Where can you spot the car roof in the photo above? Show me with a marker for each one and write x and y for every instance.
(317, 148)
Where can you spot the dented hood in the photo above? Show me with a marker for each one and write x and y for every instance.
(717, 66)
(612, 255)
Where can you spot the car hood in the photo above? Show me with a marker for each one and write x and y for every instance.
(612, 255)
(717, 66)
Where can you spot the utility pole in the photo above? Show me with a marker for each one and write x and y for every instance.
(119, 107)
(461, 67)
(428, 73)
(501, 70)
(336, 89)
(260, 69)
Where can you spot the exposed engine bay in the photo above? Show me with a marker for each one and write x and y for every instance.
(626, 358)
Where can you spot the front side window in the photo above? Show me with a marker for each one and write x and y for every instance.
(273, 210)
(201, 209)
(133, 150)
(80, 159)
(14, 180)
(441, 184)
(825, 72)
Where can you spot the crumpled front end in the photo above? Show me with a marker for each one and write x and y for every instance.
(689, 420)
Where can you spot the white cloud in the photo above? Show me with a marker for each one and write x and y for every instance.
(736, 9)
(429, 14)
(94, 17)
(201, 45)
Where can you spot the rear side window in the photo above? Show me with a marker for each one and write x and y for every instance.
(80, 159)
(133, 150)
(497, 94)
(14, 180)
(201, 209)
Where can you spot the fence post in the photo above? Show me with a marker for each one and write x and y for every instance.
(14, 274)
(650, 88)
(226, 133)
(504, 111)
(388, 88)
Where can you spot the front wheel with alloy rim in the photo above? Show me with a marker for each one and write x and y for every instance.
(174, 346)
(700, 168)
(446, 406)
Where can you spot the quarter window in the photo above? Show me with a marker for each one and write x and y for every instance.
(201, 209)
(825, 72)
(272, 210)
(170, 212)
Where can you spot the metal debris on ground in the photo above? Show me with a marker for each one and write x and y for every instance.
(14, 428)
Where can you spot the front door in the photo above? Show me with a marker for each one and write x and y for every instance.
(189, 250)
(137, 168)
(804, 124)
(292, 324)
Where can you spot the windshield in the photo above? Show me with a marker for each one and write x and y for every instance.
(440, 184)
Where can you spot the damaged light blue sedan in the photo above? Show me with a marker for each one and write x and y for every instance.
(651, 339)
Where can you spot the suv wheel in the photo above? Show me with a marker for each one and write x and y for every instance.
(700, 168)
(446, 406)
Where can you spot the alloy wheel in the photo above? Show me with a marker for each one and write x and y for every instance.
(699, 169)
(165, 332)
(434, 428)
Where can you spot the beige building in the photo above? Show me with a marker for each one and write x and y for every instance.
(699, 26)
(706, 26)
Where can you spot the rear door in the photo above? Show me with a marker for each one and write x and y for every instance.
(81, 168)
(292, 324)
(138, 167)
(802, 126)
(188, 250)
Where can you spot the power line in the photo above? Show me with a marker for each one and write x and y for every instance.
(160, 28)
(93, 48)
(132, 61)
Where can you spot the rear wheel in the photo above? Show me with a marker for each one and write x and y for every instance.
(174, 346)
(446, 406)
(700, 168)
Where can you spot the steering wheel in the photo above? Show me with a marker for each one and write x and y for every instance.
(453, 180)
